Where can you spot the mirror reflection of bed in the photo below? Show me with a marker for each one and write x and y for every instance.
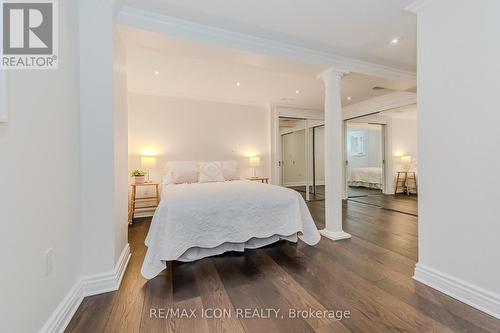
(378, 148)
(365, 156)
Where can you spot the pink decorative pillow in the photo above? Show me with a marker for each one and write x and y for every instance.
(183, 177)
(230, 170)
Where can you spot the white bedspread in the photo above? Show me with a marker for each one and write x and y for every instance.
(365, 175)
(198, 220)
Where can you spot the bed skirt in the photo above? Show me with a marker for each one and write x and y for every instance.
(153, 267)
(375, 186)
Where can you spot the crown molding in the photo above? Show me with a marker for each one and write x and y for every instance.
(150, 21)
(416, 6)
(279, 105)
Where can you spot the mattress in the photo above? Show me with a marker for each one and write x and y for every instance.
(197, 220)
(365, 177)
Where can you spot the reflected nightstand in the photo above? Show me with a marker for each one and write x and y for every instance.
(260, 179)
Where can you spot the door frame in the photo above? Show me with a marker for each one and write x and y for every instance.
(386, 122)
(277, 111)
(282, 136)
(308, 126)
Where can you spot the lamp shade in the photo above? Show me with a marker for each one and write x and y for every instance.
(254, 161)
(406, 159)
(148, 162)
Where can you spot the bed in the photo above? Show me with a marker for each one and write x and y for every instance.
(365, 177)
(198, 220)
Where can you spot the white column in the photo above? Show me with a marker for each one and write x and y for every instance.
(334, 163)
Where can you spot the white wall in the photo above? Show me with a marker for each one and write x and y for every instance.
(458, 106)
(39, 185)
(404, 139)
(404, 142)
(183, 129)
(103, 137)
(121, 143)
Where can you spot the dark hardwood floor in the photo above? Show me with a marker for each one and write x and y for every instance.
(368, 275)
(402, 203)
(319, 195)
(353, 191)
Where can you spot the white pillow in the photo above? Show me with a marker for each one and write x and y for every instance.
(181, 172)
(230, 170)
(210, 172)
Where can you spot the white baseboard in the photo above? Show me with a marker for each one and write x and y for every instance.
(106, 282)
(320, 183)
(87, 286)
(62, 315)
(465, 292)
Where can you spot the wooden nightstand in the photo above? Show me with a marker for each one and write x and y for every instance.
(406, 181)
(260, 179)
(134, 199)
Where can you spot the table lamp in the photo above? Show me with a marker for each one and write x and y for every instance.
(254, 162)
(406, 160)
(148, 162)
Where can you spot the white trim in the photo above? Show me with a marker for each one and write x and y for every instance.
(386, 122)
(277, 111)
(463, 291)
(298, 112)
(86, 286)
(303, 183)
(416, 6)
(381, 103)
(62, 315)
(110, 281)
(334, 235)
(374, 105)
(150, 21)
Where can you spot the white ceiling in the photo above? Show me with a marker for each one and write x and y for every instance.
(358, 29)
(207, 71)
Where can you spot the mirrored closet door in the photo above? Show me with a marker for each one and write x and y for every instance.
(365, 157)
(302, 156)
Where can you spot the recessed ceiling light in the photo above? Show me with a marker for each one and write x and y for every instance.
(157, 72)
(297, 91)
(394, 41)
(238, 84)
(349, 98)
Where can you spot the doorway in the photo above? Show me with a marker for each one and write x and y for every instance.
(365, 158)
(302, 156)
